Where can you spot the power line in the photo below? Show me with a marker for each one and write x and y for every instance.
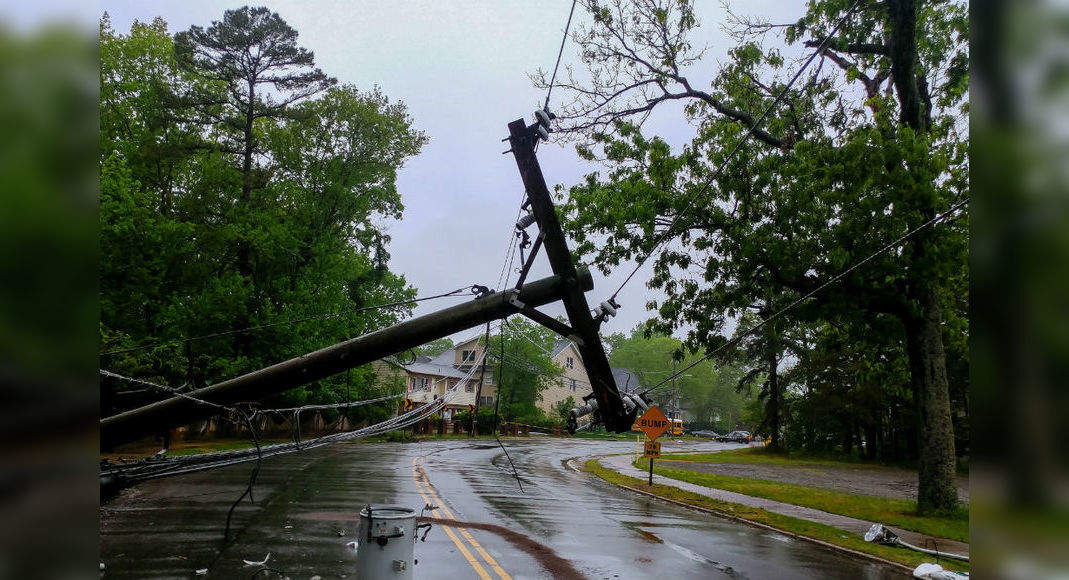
(179, 393)
(553, 79)
(738, 145)
(738, 337)
(157, 467)
(142, 383)
(456, 292)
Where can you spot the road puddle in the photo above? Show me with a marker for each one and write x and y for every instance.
(685, 552)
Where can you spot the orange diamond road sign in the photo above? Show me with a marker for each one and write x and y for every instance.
(653, 422)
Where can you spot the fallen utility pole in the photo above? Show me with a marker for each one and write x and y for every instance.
(584, 329)
(175, 411)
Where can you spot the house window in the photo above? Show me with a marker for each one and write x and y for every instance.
(469, 387)
(467, 355)
(423, 386)
(452, 385)
(570, 363)
(572, 385)
(489, 378)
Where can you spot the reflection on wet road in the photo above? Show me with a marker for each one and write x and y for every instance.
(307, 503)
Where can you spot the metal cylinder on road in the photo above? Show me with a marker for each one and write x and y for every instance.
(386, 537)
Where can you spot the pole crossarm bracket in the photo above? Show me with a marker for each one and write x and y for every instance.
(552, 324)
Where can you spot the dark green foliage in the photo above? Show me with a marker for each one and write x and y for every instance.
(562, 410)
(484, 420)
(525, 370)
(196, 242)
(869, 145)
(708, 392)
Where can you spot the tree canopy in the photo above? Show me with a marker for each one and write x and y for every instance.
(757, 211)
(242, 197)
(708, 393)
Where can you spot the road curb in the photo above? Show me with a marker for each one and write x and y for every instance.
(725, 515)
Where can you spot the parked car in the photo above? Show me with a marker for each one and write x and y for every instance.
(708, 434)
(737, 437)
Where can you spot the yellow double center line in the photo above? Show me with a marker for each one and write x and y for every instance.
(423, 485)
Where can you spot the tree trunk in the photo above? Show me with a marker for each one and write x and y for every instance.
(936, 487)
(246, 166)
(772, 408)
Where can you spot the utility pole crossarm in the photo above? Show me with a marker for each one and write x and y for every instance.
(610, 404)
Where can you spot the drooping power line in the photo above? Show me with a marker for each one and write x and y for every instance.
(738, 337)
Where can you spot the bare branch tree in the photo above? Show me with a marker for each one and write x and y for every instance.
(634, 53)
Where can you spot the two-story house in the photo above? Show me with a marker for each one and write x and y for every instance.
(430, 378)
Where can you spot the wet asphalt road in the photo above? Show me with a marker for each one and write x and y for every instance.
(306, 504)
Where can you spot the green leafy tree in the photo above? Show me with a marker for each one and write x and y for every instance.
(863, 150)
(254, 54)
(434, 347)
(707, 393)
(562, 410)
(175, 228)
(525, 369)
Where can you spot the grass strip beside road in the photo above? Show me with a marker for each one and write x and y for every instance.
(885, 510)
(820, 532)
(794, 459)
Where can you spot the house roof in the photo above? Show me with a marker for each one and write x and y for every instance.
(626, 381)
(428, 366)
(442, 365)
(558, 347)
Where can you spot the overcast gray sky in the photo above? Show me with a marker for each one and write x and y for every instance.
(461, 67)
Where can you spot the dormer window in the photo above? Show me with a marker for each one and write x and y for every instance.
(569, 363)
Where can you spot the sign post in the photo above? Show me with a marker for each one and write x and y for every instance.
(654, 424)
(651, 449)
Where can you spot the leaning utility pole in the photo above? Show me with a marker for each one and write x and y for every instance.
(584, 329)
(180, 410)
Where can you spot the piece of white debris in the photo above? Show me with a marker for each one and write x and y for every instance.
(287, 527)
(352, 545)
(202, 572)
(341, 533)
(101, 566)
(929, 571)
(260, 563)
(316, 577)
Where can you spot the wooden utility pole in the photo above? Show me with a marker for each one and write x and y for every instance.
(584, 331)
(179, 410)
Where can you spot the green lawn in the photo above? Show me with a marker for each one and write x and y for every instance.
(220, 445)
(798, 526)
(890, 511)
(763, 455)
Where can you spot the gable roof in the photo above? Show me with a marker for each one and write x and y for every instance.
(466, 342)
(559, 345)
(428, 366)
